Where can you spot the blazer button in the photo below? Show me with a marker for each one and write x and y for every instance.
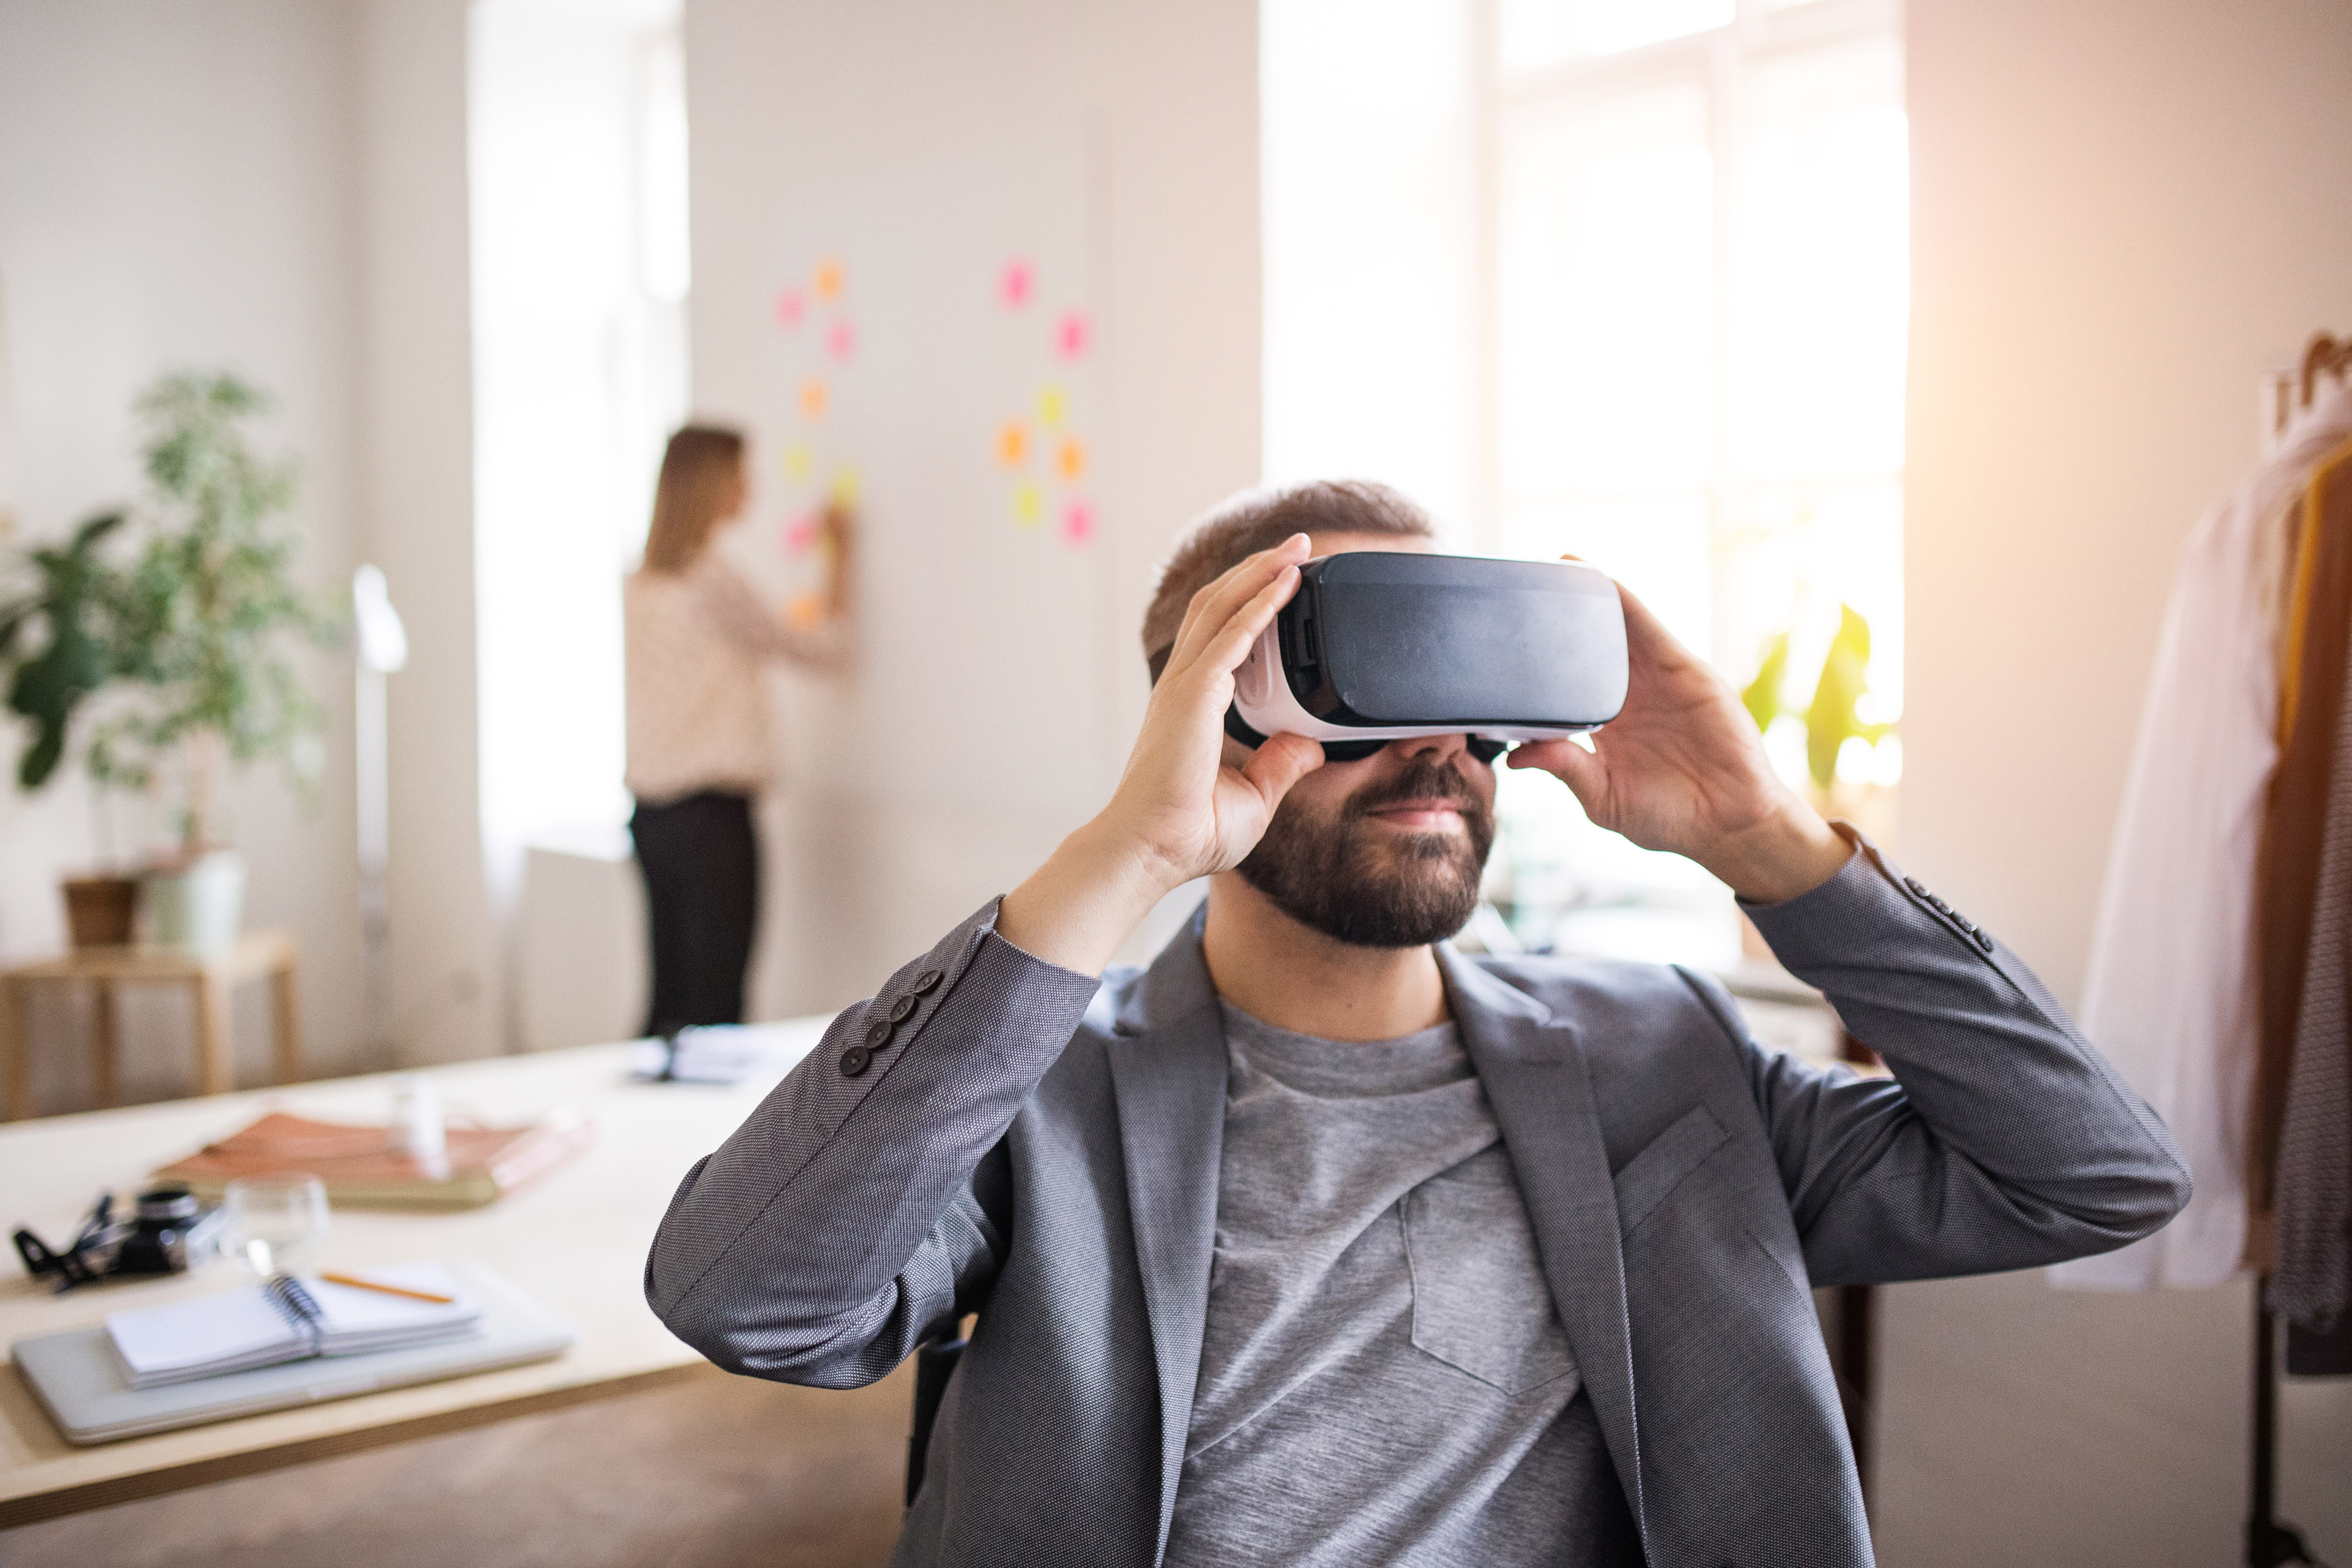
(855, 1061)
(1984, 940)
(1916, 886)
(1942, 908)
(927, 982)
(880, 1035)
(904, 1010)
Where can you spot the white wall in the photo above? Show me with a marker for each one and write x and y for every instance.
(2122, 215)
(277, 187)
(418, 505)
(175, 191)
(789, 99)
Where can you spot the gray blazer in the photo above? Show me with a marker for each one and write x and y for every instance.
(994, 1134)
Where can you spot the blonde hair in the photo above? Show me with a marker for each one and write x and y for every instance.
(697, 467)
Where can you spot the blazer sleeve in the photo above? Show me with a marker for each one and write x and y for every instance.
(866, 1204)
(2004, 1141)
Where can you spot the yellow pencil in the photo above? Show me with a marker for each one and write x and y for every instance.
(357, 1283)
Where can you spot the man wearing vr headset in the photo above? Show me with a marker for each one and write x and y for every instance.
(1319, 1242)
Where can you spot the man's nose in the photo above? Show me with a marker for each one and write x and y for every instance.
(1436, 748)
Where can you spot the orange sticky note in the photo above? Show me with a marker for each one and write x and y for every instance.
(1051, 406)
(813, 397)
(1011, 445)
(805, 612)
(828, 279)
(1028, 505)
(1071, 460)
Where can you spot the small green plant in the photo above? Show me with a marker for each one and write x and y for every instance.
(192, 638)
(1834, 716)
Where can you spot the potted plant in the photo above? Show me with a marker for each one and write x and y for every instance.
(60, 615)
(190, 643)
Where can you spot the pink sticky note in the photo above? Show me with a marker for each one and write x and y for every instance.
(1072, 335)
(1015, 286)
(1077, 523)
(790, 308)
(841, 340)
(800, 532)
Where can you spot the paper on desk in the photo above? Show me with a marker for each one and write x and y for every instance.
(726, 1053)
(239, 1330)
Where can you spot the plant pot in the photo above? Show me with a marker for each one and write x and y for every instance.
(100, 912)
(199, 903)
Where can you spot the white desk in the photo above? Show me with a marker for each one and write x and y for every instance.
(576, 1239)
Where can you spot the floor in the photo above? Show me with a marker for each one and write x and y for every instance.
(717, 1473)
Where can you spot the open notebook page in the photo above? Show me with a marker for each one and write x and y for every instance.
(241, 1328)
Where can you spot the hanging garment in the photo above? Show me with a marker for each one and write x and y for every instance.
(2302, 1161)
(2319, 639)
(2171, 997)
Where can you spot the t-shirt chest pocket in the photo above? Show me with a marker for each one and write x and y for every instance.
(1479, 1301)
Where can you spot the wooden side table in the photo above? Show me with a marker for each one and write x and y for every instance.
(209, 977)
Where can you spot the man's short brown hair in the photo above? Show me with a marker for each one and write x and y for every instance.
(1241, 525)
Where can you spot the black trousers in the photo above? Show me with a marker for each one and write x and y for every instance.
(700, 860)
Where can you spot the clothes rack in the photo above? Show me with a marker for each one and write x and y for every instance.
(2271, 1542)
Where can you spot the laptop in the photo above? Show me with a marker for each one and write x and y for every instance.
(81, 1382)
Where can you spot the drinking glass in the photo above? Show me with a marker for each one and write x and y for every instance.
(271, 1224)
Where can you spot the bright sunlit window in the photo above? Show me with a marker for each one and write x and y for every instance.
(577, 126)
(1626, 278)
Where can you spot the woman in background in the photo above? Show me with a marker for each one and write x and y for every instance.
(699, 749)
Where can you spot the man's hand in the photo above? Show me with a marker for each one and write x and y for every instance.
(1682, 768)
(1179, 812)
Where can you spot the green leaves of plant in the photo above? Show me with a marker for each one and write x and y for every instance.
(195, 628)
(46, 687)
(1834, 716)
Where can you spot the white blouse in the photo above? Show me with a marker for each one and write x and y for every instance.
(697, 709)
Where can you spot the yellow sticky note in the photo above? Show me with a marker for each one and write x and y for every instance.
(844, 485)
(797, 461)
(1011, 445)
(1071, 460)
(812, 398)
(1051, 406)
(828, 279)
(1028, 505)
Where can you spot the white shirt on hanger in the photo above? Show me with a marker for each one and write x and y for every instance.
(2170, 997)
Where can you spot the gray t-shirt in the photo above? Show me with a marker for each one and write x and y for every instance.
(1383, 1379)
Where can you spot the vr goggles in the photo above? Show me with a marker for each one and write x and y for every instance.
(1379, 645)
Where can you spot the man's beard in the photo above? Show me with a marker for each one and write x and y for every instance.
(1331, 876)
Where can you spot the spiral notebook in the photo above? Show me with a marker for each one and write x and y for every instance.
(287, 1320)
(82, 1382)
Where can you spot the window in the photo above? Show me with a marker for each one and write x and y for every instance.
(577, 131)
(1626, 278)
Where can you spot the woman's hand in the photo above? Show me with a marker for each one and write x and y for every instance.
(1180, 812)
(1683, 769)
(836, 532)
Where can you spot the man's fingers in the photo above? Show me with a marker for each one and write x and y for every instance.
(1584, 773)
(1218, 603)
(1224, 653)
(1281, 762)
